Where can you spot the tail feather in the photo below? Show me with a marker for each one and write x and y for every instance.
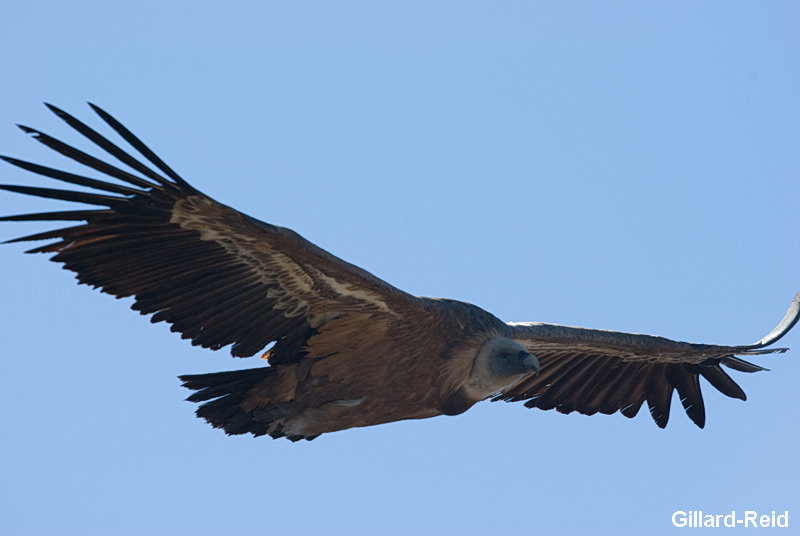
(222, 394)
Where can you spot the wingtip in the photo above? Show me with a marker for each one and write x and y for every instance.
(61, 114)
(99, 111)
(55, 109)
(27, 130)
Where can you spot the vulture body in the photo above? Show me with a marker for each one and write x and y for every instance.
(345, 348)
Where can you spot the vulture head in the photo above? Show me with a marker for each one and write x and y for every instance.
(499, 364)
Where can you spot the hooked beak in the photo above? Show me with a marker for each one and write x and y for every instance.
(530, 363)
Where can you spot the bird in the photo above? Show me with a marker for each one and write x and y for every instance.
(343, 348)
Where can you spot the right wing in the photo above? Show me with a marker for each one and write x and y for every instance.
(217, 276)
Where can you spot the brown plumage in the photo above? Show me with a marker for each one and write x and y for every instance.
(345, 348)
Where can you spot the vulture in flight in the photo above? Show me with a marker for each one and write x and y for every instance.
(344, 348)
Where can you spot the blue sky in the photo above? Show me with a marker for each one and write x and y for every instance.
(620, 165)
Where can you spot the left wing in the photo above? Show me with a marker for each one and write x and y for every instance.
(595, 371)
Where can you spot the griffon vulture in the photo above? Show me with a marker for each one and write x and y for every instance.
(344, 348)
